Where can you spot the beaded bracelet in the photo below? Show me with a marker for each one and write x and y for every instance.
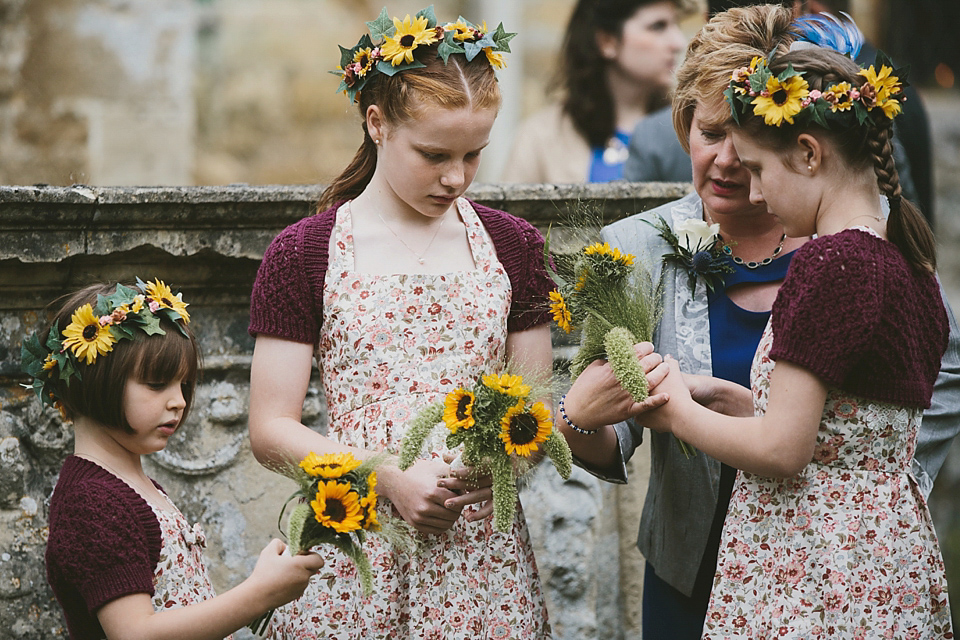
(563, 414)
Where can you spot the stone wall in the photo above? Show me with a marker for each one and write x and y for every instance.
(208, 242)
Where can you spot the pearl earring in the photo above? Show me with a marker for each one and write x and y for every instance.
(809, 168)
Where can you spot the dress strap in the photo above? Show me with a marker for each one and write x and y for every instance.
(341, 258)
(481, 245)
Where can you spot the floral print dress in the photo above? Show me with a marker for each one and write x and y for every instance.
(845, 549)
(181, 578)
(389, 346)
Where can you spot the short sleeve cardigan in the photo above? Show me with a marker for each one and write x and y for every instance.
(852, 311)
(104, 543)
(287, 297)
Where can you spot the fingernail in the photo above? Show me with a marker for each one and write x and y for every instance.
(448, 505)
(442, 484)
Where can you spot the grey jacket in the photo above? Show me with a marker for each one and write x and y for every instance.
(682, 494)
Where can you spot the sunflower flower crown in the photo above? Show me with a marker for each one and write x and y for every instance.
(787, 97)
(392, 43)
(95, 329)
(499, 428)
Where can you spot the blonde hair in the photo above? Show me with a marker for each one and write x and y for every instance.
(730, 40)
(451, 85)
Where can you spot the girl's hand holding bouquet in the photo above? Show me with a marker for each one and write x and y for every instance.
(502, 433)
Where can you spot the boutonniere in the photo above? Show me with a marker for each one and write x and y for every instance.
(697, 248)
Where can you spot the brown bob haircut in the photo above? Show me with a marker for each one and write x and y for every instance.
(98, 395)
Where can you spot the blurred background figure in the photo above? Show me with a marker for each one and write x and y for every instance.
(653, 149)
(616, 67)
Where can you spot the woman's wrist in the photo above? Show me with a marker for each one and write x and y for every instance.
(562, 410)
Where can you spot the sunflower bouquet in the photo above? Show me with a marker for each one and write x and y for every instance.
(613, 300)
(336, 503)
(500, 430)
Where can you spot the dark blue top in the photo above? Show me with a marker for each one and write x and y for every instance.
(606, 163)
(734, 331)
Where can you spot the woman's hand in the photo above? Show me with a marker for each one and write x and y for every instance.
(673, 387)
(596, 398)
(472, 488)
(420, 499)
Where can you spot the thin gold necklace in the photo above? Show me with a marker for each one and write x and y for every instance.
(420, 255)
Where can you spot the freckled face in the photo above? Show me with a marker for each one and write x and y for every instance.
(427, 163)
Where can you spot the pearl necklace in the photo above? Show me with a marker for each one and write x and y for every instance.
(727, 250)
(420, 255)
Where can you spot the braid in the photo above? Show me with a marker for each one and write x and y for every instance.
(906, 226)
(880, 143)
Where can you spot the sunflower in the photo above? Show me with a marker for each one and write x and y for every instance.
(561, 314)
(838, 96)
(369, 502)
(603, 249)
(883, 81)
(330, 465)
(363, 58)
(461, 30)
(781, 100)
(49, 362)
(409, 35)
(458, 410)
(337, 507)
(86, 337)
(495, 59)
(162, 295)
(137, 305)
(508, 384)
(522, 429)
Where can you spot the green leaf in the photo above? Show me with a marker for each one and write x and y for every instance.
(502, 39)
(382, 27)
(472, 49)
(32, 356)
(388, 69)
(346, 57)
(447, 49)
(150, 325)
(429, 15)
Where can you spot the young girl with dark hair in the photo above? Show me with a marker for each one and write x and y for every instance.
(121, 363)
(827, 534)
(403, 290)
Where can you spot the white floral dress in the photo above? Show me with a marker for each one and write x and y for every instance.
(389, 346)
(181, 578)
(845, 549)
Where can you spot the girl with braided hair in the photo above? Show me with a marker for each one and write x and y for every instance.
(827, 533)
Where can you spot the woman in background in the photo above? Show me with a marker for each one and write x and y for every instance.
(617, 66)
